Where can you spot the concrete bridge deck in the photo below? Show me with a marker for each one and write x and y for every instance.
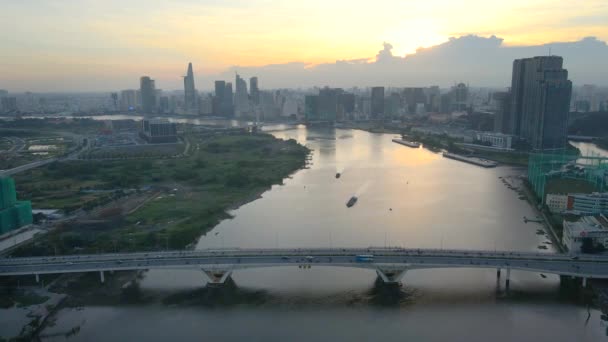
(389, 263)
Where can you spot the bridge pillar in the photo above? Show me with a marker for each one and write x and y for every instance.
(217, 277)
(498, 273)
(508, 279)
(391, 275)
(102, 277)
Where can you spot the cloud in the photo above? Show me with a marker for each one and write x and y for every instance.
(479, 61)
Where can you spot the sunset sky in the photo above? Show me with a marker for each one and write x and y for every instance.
(101, 39)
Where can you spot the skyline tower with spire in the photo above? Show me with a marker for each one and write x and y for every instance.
(190, 98)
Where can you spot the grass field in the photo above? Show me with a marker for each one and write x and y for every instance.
(195, 191)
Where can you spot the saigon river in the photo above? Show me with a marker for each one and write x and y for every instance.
(407, 197)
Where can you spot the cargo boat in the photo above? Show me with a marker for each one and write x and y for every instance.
(412, 144)
(351, 201)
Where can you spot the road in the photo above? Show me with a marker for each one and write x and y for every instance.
(385, 260)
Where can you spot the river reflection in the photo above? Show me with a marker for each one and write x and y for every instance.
(407, 197)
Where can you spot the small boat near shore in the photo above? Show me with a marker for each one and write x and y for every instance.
(351, 201)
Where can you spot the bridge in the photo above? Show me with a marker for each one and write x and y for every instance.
(389, 263)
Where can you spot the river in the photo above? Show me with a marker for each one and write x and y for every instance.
(407, 197)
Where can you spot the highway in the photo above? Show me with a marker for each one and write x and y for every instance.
(386, 261)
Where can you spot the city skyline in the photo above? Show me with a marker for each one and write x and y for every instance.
(110, 45)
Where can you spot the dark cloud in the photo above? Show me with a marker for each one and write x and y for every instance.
(480, 61)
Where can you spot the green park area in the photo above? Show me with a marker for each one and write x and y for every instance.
(184, 197)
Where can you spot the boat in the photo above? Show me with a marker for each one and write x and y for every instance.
(337, 174)
(351, 201)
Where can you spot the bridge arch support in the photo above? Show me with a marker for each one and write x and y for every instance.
(391, 274)
(216, 276)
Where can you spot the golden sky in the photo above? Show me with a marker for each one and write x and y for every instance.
(159, 37)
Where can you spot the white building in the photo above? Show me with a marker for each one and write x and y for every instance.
(557, 203)
(593, 227)
(498, 140)
(588, 204)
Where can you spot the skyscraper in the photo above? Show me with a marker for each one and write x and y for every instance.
(218, 99)
(148, 95)
(502, 118)
(377, 103)
(460, 97)
(190, 101)
(128, 100)
(228, 101)
(254, 90)
(540, 101)
(329, 104)
(241, 99)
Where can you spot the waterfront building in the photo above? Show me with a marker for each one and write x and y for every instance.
(190, 98)
(557, 203)
(594, 228)
(498, 140)
(328, 103)
(588, 204)
(147, 89)
(158, 131)
(13, 214)
(377, 104)
(540, 101)
(311, 107)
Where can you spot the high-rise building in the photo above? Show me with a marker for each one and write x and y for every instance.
(218, 98)
(460, 97)
(8, 104)
(228, 100)
(128, 100)
(540, 101)
(377, 110)
(254, 90)
(241, 98)
(190, 98)
(347, 100)
(13, 214)
(329, 104)
(311, 107)
(163, 105)
(502, 118)
(147, 89)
